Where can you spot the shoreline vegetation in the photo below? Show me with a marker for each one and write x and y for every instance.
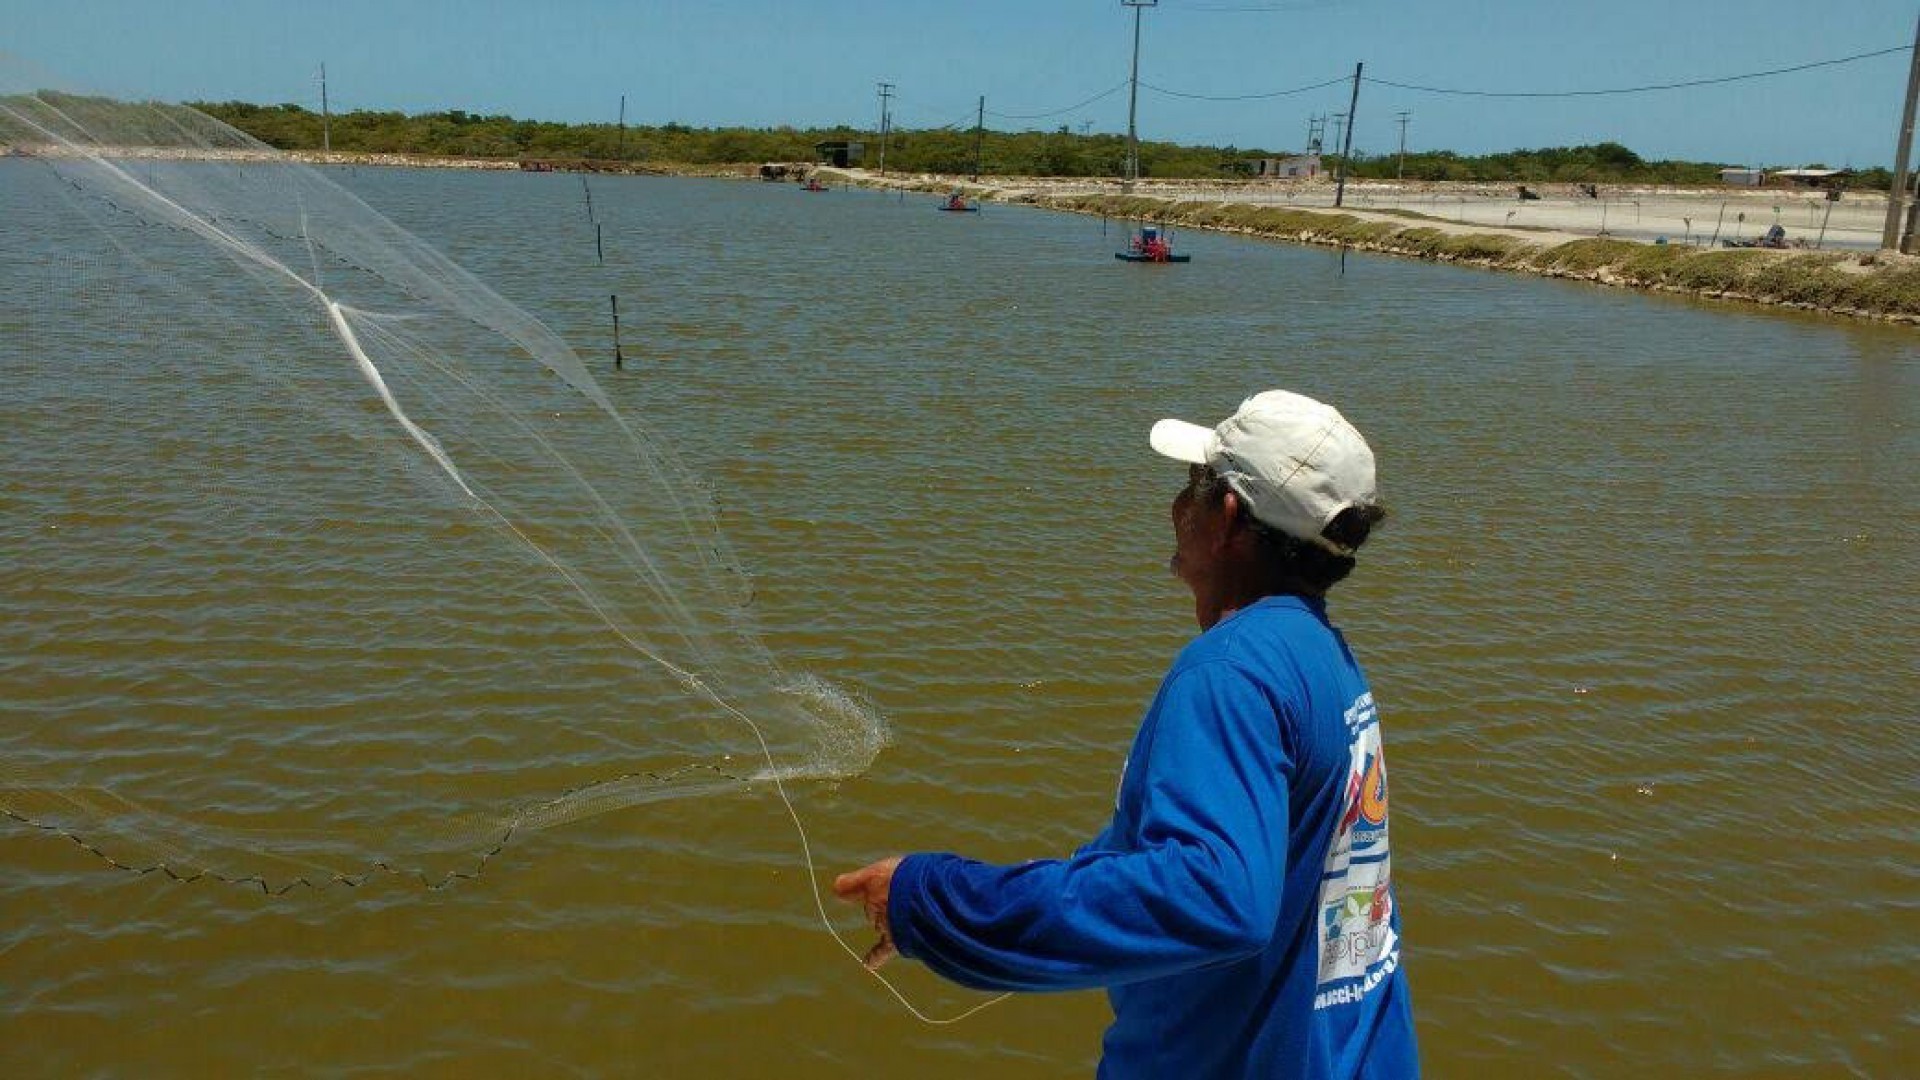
(1876, 285)
(1849, 283)
(946, 151)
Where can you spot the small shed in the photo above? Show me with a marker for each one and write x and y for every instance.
(840, 154)
(1743, 177)
(1299, 167)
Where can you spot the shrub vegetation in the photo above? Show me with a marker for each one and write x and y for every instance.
(948, 150)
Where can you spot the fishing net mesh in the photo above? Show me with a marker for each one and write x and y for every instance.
(325, 559)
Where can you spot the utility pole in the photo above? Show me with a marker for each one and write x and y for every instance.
(979, 136)
(1892, 237)
(1133, 93)
(1339, 129)
(327, 120)
(1400, 170)
(886, 94)
(622, 151)
(1346, 148)
(1906, 242)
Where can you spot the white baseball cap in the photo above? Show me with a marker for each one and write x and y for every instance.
(1294, 461)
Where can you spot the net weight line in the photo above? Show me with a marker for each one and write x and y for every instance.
(422, 878)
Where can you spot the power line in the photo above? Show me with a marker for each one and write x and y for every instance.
(919, 105)
(1246, 97)
(1121, 85)
(1446, 90)
(966, 121)
(927, 115)
(1640, 89)
(1311, 5)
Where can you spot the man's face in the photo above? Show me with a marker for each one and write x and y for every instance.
(1197, 520)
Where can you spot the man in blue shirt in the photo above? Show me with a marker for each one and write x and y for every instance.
(1239, 908)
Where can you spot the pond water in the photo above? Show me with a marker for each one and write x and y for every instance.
(1641, 626)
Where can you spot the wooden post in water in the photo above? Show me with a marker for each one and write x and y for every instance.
(599, 252)
(618, 360)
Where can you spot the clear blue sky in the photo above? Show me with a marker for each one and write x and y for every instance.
(769, 62)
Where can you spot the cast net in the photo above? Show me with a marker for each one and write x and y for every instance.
(320, 558)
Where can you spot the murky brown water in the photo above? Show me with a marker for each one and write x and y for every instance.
(1642, 629)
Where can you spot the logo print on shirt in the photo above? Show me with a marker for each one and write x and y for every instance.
(1373, 791)
(1358, 947)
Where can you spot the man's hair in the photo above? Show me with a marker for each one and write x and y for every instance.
(1301, 561)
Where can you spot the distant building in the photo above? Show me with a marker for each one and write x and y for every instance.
(840, 154)
(1743, 177)
(1812, 177)
(1301, 167)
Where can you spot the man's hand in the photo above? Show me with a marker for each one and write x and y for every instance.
(869, 887)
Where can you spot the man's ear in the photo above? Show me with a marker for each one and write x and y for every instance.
(1230, 505)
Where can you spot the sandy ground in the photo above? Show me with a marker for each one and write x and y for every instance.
(1697, 216)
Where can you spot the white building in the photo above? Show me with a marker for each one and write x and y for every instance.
(1301, 167)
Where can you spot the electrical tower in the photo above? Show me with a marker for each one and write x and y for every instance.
(1899, 236)
(886, 122)
(979, 136)
(326, 115)
(1133, 92)
(1400, 170)
(1352, 117)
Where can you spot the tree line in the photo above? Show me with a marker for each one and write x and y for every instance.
(952, 150)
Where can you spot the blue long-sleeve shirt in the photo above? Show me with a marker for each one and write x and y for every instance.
(1239, 907)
